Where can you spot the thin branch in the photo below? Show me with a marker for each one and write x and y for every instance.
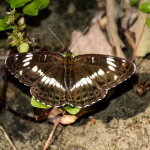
(130, 39)
(52, 132)
(5, 84)
(28, 117)
(7, 137)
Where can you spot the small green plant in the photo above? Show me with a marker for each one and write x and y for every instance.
(30, 7)
(145, 7)
(19, 39)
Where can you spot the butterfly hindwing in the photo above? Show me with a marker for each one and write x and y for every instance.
(50, 89)
(83, 92)
(105, 71)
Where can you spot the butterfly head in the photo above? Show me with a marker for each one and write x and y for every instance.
(69, 53)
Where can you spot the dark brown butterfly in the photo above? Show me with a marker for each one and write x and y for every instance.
(80, 81)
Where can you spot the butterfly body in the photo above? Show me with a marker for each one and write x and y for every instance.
(79, 81)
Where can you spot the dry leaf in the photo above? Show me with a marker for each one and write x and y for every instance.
(130, 14)
(92, 121)
(68, 119)
(142, 34)
(113, 13)
(94, 42)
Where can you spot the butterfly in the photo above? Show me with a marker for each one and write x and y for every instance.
(79, 81)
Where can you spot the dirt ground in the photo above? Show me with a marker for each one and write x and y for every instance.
(122, 121)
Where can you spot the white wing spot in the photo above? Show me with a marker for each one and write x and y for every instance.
(83, 80)
(44, 78)
(115, 77)
(123, 60)
(111, 63)
(41, 73)
(35, 68)
(20, 72)
(27, 59)
(89, 80)
(92, 59)
(111, 68)
(26, 64)
(45, 56)
(110, 59)
(29, 55)
(52, 81)
(47, 81)
(100, 72)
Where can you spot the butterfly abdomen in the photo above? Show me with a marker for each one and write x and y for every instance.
(68, 63)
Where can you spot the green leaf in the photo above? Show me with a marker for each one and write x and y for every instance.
(7, 26)
(42, 3)
(64, 55)
(17, 15)
(17, 3)
(27, 1)
(72, 110)
(38, 104)
(145, 7)
(1, 25)
(134, 2)
(148, 22)
(31, 9)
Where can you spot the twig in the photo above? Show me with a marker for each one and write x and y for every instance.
(5, 84)
(52, 132)
(130, 39)
(28, 117)
(7, 137)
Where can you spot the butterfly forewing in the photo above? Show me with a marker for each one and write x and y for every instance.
(31, 67)
(105, 71)
(44, 72)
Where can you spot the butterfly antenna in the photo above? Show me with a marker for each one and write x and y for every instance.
(56, 37)
(78, 38)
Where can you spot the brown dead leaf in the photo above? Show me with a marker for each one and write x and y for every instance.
(142, 33)
(94, 42)
(92, 121)
(68, 119)
(114, 12)
(130, 14)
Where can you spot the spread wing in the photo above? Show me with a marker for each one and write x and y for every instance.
(43, 72)
(93, 75)
(105, 71)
